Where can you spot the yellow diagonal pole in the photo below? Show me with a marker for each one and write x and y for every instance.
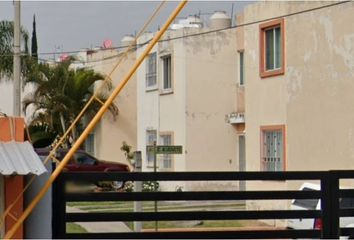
(94, 122)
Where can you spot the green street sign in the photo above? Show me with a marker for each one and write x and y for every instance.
(165, 149)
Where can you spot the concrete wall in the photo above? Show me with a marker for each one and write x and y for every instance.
(313, 98)
(204, 80)
(211, 87)
(110, 132)
(147, 105)
(6, 99)
(38, 225)
(172, 107)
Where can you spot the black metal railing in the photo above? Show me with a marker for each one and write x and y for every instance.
(329, 194)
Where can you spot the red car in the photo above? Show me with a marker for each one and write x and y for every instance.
(84, 162)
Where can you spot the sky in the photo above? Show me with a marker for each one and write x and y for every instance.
(72, 25)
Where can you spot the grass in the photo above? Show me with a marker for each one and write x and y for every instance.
(194, 224)
(110, 206)
(74, 228)
(147, 206)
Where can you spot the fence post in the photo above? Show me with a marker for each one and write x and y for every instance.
(335, 231)
(137, 188)
(330, 206)
(58, 208)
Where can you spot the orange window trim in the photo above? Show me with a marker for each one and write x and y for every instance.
(265, 26)
(273, 128)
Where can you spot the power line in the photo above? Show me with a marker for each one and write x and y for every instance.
(193, 34)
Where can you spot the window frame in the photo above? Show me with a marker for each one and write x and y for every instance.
(171, 134)
(262, 39)
(149, 74)
(241, 68)
(149, 164)
(272, 128)
(165, 90)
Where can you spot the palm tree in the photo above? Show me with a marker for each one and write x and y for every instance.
(60, 94)
(6, 49)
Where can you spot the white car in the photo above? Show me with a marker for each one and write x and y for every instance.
(315, 204)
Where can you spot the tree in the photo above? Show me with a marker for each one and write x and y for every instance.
(60, 94)
(34, 47)
(6, 48)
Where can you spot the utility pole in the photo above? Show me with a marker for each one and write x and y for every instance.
(138, 186)
(17, 60)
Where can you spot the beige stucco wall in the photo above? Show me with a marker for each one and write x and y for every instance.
(162, 112)
(313, 98)
(204, 79)
(314, 95)
(110, 132)
(211, 89)
(320, 89)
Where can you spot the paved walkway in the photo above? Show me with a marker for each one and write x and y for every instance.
(99, 227)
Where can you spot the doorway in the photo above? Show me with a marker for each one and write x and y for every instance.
(242, 159)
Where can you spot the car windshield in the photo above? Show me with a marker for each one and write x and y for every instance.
(84, 159)
(306, 203)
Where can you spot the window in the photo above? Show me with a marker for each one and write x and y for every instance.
(272, 48)
(166, 68)
(241, 68)
(151, 71)
(273, 148)
(150, 139)
(90, 144)
(166, 159)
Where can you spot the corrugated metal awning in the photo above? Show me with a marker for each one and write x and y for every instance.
(19, 158)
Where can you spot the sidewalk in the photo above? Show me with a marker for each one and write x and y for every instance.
(98, 227)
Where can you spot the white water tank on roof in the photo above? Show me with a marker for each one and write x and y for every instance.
(219, 20)
(127, 40)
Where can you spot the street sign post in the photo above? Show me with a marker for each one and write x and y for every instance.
(165, 149)
(162, 149)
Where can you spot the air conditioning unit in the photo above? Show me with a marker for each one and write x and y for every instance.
(235, 118)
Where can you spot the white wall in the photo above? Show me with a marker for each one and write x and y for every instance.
(6, 99)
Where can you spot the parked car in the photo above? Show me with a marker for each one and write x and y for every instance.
(82, 161)
(315, 204)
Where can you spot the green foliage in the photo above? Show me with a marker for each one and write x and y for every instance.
(6, 49)
(34, 47)
(129, 155)
(41, 135)
(60, 94)
(75, 228)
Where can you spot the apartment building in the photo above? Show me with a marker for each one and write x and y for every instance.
(106, 139)
(298, 73)
(185, 89)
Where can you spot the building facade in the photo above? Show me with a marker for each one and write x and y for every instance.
(106, 139)
(185, 89)
(299, 69)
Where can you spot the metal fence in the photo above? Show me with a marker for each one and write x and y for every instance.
(329, 194)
